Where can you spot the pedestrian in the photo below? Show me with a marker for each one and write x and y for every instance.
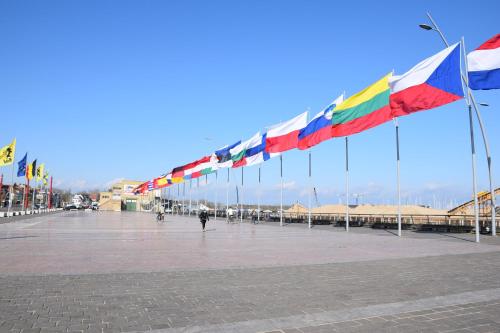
(203, 218)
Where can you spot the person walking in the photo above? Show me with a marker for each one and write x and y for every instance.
(203, 218)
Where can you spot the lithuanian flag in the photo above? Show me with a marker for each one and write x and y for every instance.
(366, 109)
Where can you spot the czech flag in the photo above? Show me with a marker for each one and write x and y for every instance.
(484, 65)
(431, 83)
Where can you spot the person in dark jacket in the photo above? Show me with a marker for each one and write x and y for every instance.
(203, 218)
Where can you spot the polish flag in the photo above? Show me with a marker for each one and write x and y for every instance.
(431, 83)
(285, 136)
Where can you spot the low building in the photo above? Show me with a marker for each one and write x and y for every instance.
(122, 198)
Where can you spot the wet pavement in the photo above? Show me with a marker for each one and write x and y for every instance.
(111, 272)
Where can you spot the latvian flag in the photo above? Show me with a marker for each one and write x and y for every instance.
(484, 65)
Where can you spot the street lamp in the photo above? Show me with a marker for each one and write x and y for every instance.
(481, 125)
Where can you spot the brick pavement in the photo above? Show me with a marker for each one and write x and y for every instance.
(403, 288)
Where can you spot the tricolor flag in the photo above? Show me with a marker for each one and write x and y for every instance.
(31, 170)
(431, 83)
(160, 182)
(484, 65)
(238, 153)
(21, 166)
(224, 156)
(207, 165)
(366, 109)
(150, 186)
(285, 136)
(319, 128)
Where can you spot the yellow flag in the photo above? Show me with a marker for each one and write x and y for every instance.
(7, 154)
(29, 172)
(39, 172)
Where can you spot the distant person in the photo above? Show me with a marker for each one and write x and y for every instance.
(230, 215)
(203, 218)
(254, 217)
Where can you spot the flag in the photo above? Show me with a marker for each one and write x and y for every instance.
(238, 153)
(160, 182)
(366, 109)
(31, 171)
(223, 155)
(484, 65)
(319, 128)
(193, 167)
(39, 172)
(285, 136)
(433, 82)
(21, 166)
(7, 153)
(45, 178)
(150, 186)
(208, 165)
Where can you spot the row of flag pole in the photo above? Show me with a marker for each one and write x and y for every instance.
(433, 82)
(24, 169)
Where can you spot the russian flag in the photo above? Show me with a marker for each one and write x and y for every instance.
(319, 128)
(484, 65)
(285, 136)
(431, 83)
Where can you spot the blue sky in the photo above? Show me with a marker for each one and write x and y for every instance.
(101, 90)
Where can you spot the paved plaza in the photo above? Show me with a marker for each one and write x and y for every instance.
(123, 272)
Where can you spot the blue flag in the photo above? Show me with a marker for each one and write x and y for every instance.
(21, 166)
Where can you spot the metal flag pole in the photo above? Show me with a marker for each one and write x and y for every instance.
(11, 188)
(34, 193)
(346, 183)
(398, 175)
(472, 145)
(205, 192)
(241, 203)
(258, 199)
(227, 196)
(472, 101)
(281, 190)
(178, 195)
(310, 189)
(190, 187)
(198, 194)
(183, 196)
(216, 197)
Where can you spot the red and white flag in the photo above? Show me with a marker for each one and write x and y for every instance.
(285, 136)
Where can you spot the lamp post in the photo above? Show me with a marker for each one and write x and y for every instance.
(472, 101)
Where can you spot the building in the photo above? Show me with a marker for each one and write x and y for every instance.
(121, 198)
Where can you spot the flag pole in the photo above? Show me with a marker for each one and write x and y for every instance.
(398, 176)
(470, 99)
(216, 197)
(241, 203)
(281, 190)
(206, 190)
(310, 188)
(472, 145)
(50, 193)
(183, 196)
(190, 187)
(11, 191)
(198, 194)
(227, 196)
(258, 199)
(346, 183)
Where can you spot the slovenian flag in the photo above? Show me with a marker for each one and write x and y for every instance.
(319, 128)
(431, 83)
(484, 65)
(285, 136)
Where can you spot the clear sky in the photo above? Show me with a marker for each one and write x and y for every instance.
(101, 90)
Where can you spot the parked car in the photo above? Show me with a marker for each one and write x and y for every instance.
(70, 207)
